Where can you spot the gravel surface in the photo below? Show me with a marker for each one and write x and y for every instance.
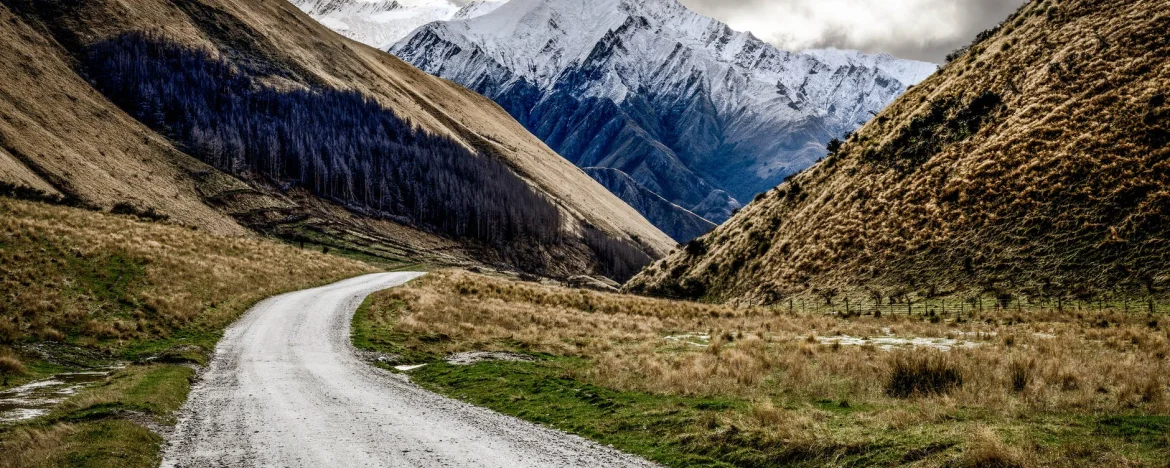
(286, 388)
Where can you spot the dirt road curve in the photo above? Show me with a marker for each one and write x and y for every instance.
(286, 389)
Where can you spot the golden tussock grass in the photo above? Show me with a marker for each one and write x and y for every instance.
(34, 446)
(105, 280)
(1002, 366)
(1055, 187)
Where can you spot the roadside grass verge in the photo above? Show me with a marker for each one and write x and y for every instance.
(104, 425)
(689, 384)
(85, 289)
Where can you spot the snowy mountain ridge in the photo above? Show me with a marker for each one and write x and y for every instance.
(694, 111)
(381, 23)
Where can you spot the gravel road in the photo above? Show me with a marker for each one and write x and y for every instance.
(286, 388)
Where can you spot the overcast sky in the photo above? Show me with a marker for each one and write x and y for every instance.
(913, 29)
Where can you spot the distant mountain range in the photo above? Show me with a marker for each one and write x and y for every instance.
(249, 115)
(699, 114)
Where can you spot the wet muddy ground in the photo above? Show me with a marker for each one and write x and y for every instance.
(37, 398)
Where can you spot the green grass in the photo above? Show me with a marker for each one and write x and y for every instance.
(91, 428)
(91, 290)
(674, 430)
(689, 431)
(634, 422)
(104, 443)
(154, 390)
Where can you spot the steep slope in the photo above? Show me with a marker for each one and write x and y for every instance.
(57, 129)
(676, 222)
(680, 102)
(381, 23)
(59, 134)
(1035, 163)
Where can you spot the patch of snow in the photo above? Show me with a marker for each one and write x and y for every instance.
(888, 343)
(660, 44)
(472, 357)
(381, 23)
(693, 339)
(409, 368)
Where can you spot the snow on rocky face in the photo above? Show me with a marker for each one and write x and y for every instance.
(680, 102)
(694, 111)
(381, 23)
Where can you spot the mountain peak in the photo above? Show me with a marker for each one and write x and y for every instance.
(380, 23)
(688, 107)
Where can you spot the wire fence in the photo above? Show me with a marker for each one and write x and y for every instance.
(966, 308)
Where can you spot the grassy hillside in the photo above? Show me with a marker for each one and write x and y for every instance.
(690, 384)
(86, 289)
(1033, 166)
(60, 134)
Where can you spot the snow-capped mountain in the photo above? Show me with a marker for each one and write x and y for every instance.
(686, 106)
(381, 23)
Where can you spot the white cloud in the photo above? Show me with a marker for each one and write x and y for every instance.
(918, 29)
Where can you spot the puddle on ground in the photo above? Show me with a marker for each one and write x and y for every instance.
(887, 343)
(38, 398)
(693, 339)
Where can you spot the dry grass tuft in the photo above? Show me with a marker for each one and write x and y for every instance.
(987, 450)
(922, 374)
(10, 365)
(29, 446)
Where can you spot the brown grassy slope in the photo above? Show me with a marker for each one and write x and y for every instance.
(58, 127)
(58, 131)
(1058, 188)
(108, 281)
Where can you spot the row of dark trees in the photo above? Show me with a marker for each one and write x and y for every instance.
(338, 144)
(617, 259)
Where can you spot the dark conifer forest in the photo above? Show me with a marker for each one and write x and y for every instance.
(617, 259)
(339, 145)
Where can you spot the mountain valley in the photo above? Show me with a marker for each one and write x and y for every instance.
(699, 114)
(246, 233)
(148, 148)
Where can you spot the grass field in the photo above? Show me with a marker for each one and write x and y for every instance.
(86, 289)
(691, 384)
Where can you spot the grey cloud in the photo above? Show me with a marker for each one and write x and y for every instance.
(913, 36)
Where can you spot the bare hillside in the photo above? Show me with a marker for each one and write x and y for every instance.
(1035, 163)
(59, 134)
